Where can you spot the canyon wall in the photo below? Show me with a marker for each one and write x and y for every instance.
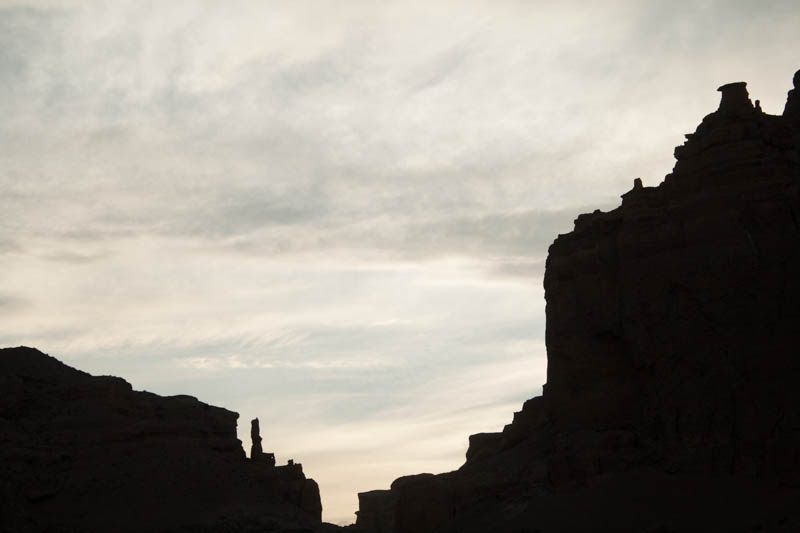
(672, 399)
(82, 453)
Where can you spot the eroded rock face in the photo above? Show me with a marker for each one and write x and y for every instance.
(671, 399)
(86, 453)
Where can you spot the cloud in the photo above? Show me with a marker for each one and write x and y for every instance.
(8, 246)
(12, 303)
(261, 141)
(67, 256)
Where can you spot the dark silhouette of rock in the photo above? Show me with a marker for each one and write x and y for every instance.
(256, 453)
(792, 108)
(735, 101)
(255, 437)
(672, 399)
(82, 453)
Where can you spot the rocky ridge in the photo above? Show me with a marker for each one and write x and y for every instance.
(671, 401)
(82, 453)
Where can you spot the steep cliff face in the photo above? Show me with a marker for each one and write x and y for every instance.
(676, 313)
(86, 453)
(672, 385)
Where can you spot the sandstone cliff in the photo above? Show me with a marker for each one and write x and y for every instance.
(672, 399)
(80, 453)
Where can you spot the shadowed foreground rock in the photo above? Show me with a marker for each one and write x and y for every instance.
(80, 453)
(672, 400)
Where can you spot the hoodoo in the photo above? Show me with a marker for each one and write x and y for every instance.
(671, 401)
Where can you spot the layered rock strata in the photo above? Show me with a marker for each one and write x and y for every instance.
(82, 453)
(672, 399)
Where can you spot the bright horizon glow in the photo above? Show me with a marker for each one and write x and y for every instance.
(334, 216)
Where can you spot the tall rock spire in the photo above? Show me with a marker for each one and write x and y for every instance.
(792, 108)
(255, 437)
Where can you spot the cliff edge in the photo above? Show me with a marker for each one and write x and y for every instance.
(672, 399)
(82, 453)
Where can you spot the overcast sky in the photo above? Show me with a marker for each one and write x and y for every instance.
(334, 215)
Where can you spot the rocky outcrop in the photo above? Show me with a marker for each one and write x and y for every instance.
(671, 401)
(256, 452)
(792, 109)
(87, 453)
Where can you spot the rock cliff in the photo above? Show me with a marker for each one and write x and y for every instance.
(672, 399)
(82, 453)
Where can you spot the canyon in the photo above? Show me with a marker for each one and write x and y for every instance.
(671, 403)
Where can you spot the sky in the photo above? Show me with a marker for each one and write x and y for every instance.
(334, 215)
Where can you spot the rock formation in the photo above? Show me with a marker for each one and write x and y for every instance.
(672, 399)
(256, 453)
(792, 108)
(80, 453)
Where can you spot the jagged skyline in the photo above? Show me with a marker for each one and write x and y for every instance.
(334, 217)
